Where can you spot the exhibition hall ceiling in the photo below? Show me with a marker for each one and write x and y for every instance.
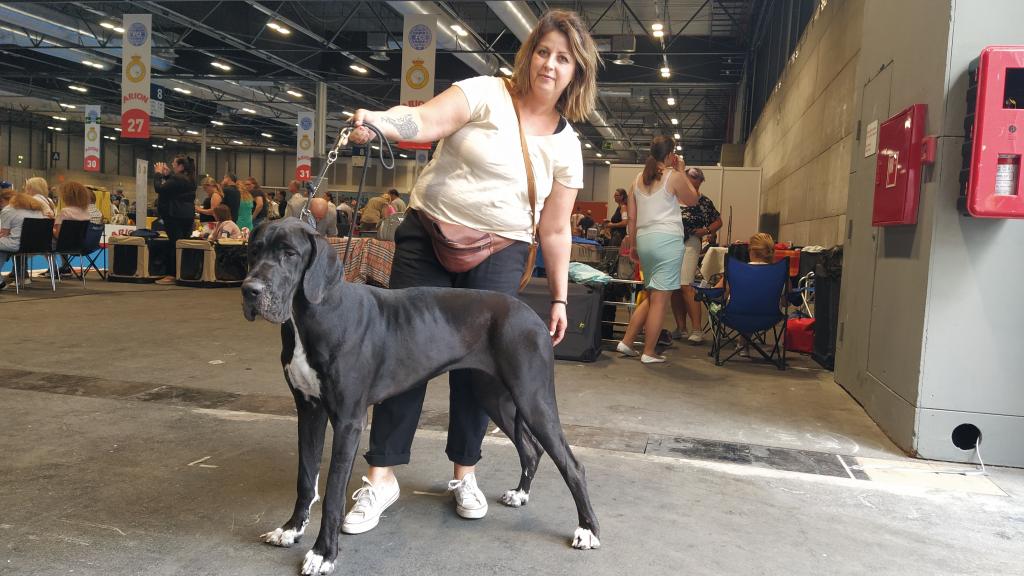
(251, 65)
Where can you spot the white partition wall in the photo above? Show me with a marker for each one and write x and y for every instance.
(728, 187)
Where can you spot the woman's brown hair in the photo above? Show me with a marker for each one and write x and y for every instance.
(762, 248)
(74, 194)
(222, 213)
(577, 101)
(661, 147)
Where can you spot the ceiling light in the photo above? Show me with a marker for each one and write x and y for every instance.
(294, 93)
(657, 26)
(679, 148)
(49, 127)
(380, 56)
(675, 121)
(665, 72)
(271, 149)
(459, 30)
(118, 29)
(239, 142)
(107, 25)
(403, 155)
(598, 154)
(96, 65)
(657, 34)
(87, 62)
(172, 139)
(623, 60)
(182, 90)
(280, 29)
(61, 118)
(157, 146)
(670, 101)
(216, 123)
(192, 132)
(265, 135)
(357, 68)
(68, 106)
(59, 129)
(676, 136)
(77, 88)
(214, 147)
(587, 145)
(249, 110)
(608, 162)
(375, 147)
(117, 129)
(220, 66)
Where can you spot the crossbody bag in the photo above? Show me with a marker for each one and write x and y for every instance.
(461, 248)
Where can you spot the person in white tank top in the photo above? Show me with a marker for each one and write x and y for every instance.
(657, 233)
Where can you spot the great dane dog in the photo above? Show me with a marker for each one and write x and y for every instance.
(334, 338)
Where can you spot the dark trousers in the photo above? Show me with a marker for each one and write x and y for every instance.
(177, 229)
(395, 419)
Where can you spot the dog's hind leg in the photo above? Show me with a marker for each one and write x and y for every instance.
(539, 410)
(496, 400)
(312, 426)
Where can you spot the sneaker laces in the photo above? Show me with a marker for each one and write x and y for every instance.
(465, 488)
(365, 497)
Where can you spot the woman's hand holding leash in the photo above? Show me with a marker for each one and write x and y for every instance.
(558, 322)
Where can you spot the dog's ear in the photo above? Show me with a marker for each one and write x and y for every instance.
(321, 270)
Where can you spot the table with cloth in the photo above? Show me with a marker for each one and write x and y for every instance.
(369, 260)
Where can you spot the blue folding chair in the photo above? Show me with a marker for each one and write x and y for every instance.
(754, 307)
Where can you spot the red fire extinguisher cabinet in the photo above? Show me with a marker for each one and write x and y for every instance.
(995, 135)
(898, 168)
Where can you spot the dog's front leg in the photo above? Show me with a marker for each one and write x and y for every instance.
(312, 426)
(347, 427)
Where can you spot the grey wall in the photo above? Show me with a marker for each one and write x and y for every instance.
(930, 321)
(803, 138)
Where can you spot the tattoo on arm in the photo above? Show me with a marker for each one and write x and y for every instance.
(405, 125)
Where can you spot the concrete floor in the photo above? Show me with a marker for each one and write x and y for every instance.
(112, 393)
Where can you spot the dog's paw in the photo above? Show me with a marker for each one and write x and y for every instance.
(515, 498)
(584, 539)
(282, 537)
(315, 564)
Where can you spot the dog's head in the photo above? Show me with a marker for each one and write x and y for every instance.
(287, 260)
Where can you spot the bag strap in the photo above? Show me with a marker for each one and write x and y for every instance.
(531, 184)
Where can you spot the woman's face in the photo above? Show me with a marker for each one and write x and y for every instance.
(552, 66)
(178, 166)
(620, 198)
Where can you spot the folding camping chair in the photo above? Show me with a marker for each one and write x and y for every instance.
(71, 242)
(753, 308)
(36, 238)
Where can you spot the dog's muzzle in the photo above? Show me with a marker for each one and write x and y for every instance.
(258, 301)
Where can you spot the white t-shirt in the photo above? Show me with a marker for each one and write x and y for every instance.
(477, 177)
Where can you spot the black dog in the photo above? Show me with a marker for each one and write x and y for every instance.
(333, 335)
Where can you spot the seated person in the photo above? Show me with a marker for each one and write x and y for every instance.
(225, 227)
(75, 198)
(762, 251)
(325, 215)
(14, 208)
(95, 216)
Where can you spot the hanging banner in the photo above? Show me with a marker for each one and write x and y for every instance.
(141, 192)
(135, 74)
(304, 148)
(92, 139)
(419, 45)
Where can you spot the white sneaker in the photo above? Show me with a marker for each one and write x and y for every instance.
(371, 501)
(696, 337)
(621, 348)
(470, 502)
(652, 359)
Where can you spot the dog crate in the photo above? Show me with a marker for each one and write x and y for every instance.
(211, 265)
(129, 259)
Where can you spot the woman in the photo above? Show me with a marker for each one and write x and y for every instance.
(225, 228)
(658, 235)
(699, 221)
(259, 200)
(469, 182)
(245, 204)
(214, 198)
(176, 198)
(37, 188)
(620, 219)
(14, 208)
(74, 198)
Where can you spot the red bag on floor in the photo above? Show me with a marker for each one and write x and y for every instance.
(800, 335)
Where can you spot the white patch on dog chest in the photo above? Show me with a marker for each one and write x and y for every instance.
(301, 374)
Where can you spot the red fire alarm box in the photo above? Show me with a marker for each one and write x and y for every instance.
(993, 186)
(898, 168)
